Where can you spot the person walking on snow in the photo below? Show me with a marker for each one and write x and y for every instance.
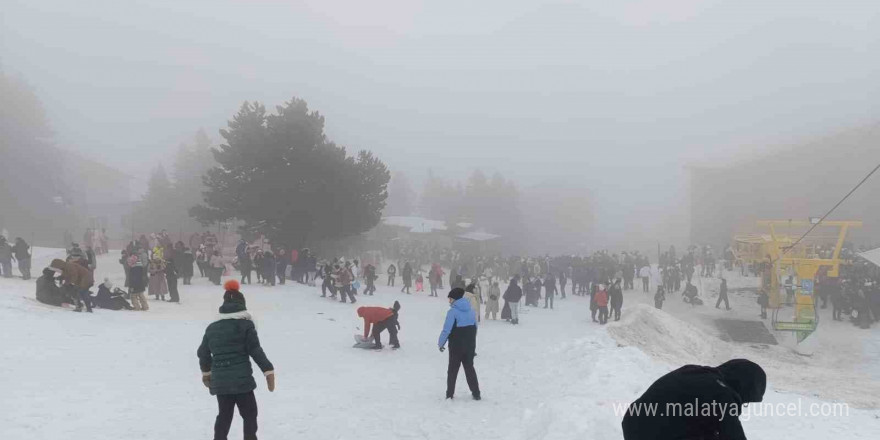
(229, 344)
(407, 278)
(370, 278)
(460, 330)
(722, 295)
(381, 318)
(392, 272)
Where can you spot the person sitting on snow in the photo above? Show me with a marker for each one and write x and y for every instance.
(47, 289)
(690, 292)
(659, 297)
(726, 388)
(381, 318)
(108, 298)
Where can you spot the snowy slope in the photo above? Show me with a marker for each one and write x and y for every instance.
(132, 375)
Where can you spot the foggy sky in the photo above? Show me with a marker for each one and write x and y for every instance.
(613, 96)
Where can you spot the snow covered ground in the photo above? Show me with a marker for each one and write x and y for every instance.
(134, 375)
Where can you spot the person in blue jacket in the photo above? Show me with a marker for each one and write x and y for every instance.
(460, 329)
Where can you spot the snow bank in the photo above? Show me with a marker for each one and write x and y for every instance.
(592, 375)
(664, 336)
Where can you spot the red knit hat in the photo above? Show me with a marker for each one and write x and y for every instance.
(231, 285)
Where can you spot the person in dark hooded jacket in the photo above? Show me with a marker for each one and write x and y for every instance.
(110, 298)
(269, 268)
(725, 388)
(225, 356)
(22, 252)
(47, 289)
(511, 299)
(615, 299)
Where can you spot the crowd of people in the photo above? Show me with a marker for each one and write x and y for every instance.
(494, 285)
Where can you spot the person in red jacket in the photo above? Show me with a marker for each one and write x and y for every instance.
(381, 318)
(602, 304)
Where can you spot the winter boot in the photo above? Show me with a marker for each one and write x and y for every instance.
(477, 396)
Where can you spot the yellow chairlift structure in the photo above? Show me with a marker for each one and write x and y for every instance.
(778, 253)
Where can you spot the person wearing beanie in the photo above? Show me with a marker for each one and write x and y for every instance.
(381, 318)
(224, 358)
(460, 330)
(725, 388)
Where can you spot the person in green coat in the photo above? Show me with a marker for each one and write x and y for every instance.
(224, 358)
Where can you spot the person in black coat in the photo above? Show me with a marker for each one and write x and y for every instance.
(22, 252)
(282, 260)
(48, 291)
(659, 297)
(407, 278)
(171, 276)
(110, 298)
(512, 296)
(549, 290)
(185, 262)
(268, 268)
(722, 295)
(681, 399)
(615, 299)
(245, 265)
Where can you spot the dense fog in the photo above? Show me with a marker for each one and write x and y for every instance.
(598, 104)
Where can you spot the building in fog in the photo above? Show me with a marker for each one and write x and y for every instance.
(802, 181)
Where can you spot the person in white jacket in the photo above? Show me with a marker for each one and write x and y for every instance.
(645, 275)
(474, 296)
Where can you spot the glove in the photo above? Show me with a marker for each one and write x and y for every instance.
(442, 349)
(206, 379)
(270, 382)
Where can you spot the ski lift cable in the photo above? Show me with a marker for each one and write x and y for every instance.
(789, 248)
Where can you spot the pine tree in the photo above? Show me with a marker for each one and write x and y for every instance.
(279, 175)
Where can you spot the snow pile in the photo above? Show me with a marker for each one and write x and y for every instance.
(664, 337)
(590, 376)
